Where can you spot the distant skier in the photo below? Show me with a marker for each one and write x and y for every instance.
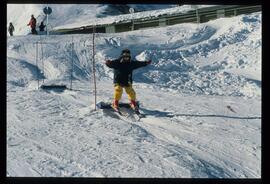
(123, 68)
(32, 23)
(41, 27)
(11, 29)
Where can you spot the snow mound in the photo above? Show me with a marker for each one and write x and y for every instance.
(202, 59)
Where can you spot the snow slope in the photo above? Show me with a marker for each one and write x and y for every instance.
(202, 97)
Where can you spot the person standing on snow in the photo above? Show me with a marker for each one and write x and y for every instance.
(123, 68)
(11, 29)
(41, 27)
(32, 24)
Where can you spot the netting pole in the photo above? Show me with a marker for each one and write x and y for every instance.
(42, 59)
(94, 71)
(71, 64)
(47, 17)
(37, 63)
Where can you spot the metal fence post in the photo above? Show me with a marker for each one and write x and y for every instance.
(71, 72)
(94, 70)
(42, 59)
(37, 64)
(197, 15)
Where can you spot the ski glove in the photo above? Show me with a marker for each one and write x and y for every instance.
(108, 62)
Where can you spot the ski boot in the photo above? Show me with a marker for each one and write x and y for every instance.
(115, 105)
(134, 106)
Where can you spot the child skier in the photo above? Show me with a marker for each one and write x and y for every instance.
(123, 68)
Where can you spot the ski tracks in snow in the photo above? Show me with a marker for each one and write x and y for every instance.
(57, 134)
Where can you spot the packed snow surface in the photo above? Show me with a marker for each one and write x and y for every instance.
(201, 96)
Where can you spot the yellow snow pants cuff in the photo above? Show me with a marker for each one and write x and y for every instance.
(118, 91)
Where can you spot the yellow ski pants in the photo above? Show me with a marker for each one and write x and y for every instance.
(118, 91)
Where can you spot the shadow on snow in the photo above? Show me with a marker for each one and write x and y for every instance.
(158, 113)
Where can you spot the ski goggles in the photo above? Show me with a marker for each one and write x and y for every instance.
(125, 59)
(126, 54)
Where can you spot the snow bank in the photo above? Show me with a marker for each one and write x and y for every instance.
(201, 59)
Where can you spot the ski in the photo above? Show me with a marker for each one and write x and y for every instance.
(116, 110)
(139, 114)
(135, 112)
(124, 110)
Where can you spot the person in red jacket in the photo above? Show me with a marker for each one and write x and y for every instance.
(32, 23)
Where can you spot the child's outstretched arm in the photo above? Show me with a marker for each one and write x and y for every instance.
(111, 64)
(139, 64)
